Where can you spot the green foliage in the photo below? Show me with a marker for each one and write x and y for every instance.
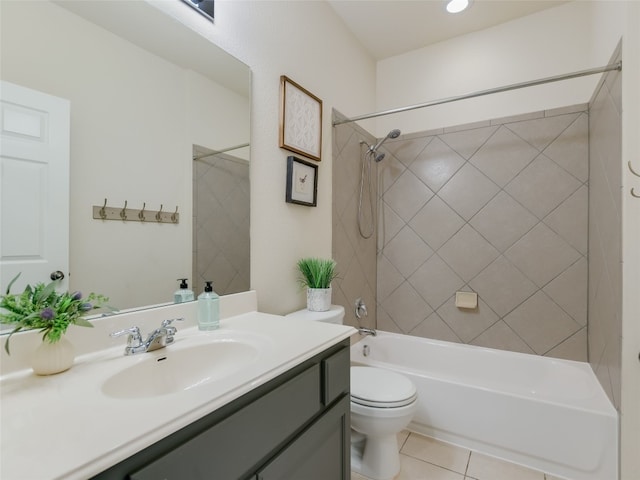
(316, 272)
(42, 307)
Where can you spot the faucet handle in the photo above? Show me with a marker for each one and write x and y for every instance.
(169, 321)
(133, 332)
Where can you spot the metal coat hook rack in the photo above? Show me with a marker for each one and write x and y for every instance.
(125, 214)
(633, 192)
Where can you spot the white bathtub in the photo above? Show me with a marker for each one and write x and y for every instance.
(548, 414)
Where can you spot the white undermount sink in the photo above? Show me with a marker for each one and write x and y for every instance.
(177, 368)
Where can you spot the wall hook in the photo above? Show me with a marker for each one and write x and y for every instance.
(159, 214)
(103, 213)
(141, 212)
(174, 216)
(123, 212)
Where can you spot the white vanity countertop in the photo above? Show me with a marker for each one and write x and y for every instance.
(65, 427)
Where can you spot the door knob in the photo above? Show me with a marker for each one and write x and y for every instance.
(57, 275)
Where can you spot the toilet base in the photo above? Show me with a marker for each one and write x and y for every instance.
(375, 457)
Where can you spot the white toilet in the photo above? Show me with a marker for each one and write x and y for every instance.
(382, 404)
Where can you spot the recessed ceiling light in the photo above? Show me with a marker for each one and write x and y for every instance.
(456, 6)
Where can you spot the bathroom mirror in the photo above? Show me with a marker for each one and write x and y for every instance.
(144, 91)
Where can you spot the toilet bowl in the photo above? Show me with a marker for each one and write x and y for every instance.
(382, 404)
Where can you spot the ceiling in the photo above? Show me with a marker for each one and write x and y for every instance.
(390, 27)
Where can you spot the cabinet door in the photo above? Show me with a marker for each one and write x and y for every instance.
(320, 453)
(231, 449)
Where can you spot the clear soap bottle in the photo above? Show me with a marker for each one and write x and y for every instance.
(183, 294)
(208, 308)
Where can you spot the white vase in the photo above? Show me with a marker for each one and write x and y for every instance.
(52, 358)
(318, 299)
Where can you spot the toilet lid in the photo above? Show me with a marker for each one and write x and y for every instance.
(376, 387)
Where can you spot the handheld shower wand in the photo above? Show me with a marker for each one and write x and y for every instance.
(395, 133)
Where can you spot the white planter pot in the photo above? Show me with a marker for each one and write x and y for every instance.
(52, 358)
(318, 299)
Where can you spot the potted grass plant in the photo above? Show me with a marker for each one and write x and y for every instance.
(316, 275)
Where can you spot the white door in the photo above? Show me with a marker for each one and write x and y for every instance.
(34, 186)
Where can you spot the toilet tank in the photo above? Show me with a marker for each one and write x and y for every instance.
(334, 315)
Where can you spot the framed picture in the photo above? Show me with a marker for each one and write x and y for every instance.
(302, 182)
(300, 120)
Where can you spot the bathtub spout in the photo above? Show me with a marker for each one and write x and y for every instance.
(367, 331)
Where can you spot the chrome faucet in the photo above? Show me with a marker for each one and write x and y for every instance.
(367, 331)
(159, 338)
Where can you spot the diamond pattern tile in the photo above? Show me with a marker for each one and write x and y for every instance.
(570, 219)
(407, 195)
(389, 224)
(436, 164)
(406, 307)
(478, 208)
(467, 142)
(541, 132)
(467, 253)
(542, 254)
(435, 281)
(221, 224)
(570, 151)
(407, 150)
(503, 221)
(541, 323)
(434, 327)
(502, 286)
(542, 186)
(503, 156)
(501, 336)
(467, 323)
(468, 191)
(436, 222)
(407, 251)
(389, 278)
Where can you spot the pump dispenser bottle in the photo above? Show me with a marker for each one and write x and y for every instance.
(208, 308)
(183, 294)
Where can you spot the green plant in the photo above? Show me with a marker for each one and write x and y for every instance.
(42, 307)
(316, 272)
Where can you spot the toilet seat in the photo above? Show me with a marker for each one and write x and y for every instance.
(379, 388)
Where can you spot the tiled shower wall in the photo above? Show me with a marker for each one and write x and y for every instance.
(498, 208)
(221, 223)
(605, 234)
(355, 256)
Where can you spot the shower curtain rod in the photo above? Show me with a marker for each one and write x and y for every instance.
(199, 157)
(515, 86)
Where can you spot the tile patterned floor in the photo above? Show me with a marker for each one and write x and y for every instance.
(424, 458)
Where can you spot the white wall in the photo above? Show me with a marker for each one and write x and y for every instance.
(134, 118)
(306, 42)
(548, 43)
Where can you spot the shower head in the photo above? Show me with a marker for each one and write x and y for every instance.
(379, 157)
(395, 133)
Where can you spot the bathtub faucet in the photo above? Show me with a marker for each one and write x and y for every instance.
(367, 331)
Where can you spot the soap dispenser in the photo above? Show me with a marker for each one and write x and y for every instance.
(208, 308)
(183, 294)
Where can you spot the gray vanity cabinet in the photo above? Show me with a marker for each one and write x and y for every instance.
(319, 453)
(295, 427)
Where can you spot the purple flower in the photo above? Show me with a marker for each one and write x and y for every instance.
(47, 314)
(76, 296)
(85, 307)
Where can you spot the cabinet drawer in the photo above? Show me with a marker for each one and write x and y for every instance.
(232, 448)
(335, 376)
